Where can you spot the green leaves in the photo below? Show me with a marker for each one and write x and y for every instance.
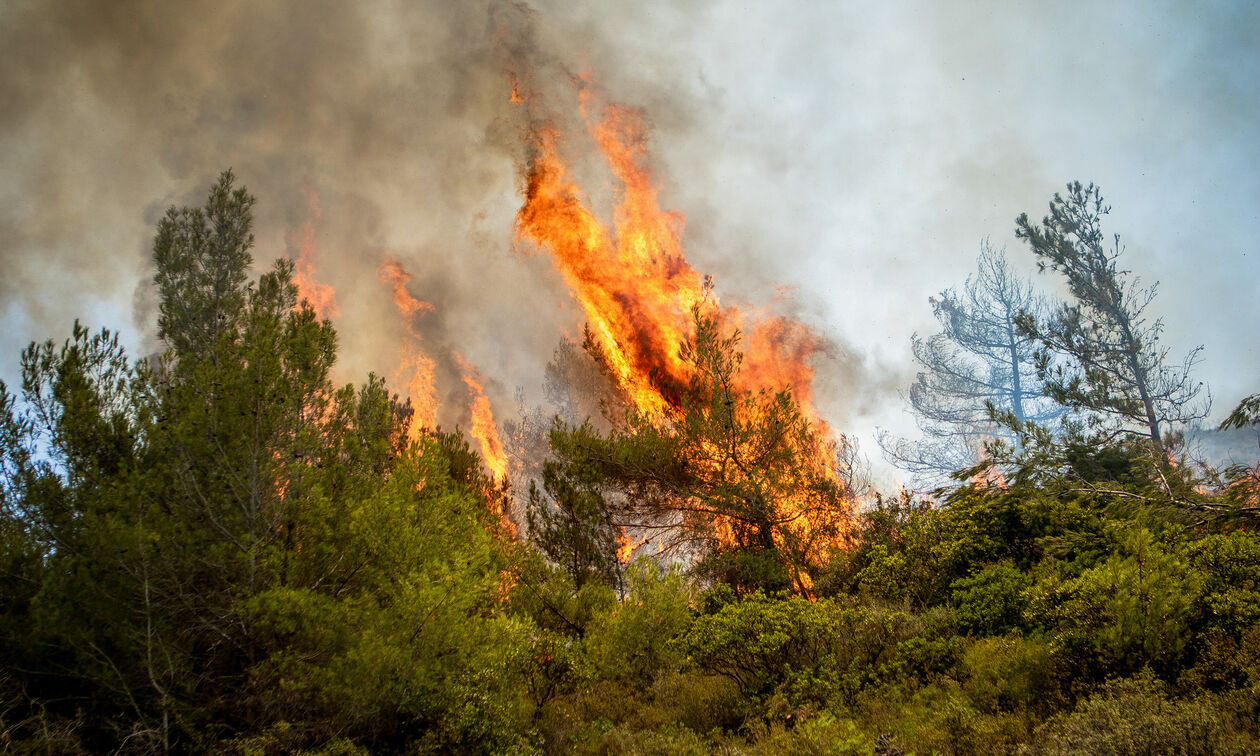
(1132, 611)
(201, 257)
(635, 643)
(740, 478)
(1247, 413)
(1229, 566)
(573, 522)
(991, 602)
(404, 630)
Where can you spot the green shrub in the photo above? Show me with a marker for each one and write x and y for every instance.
(1230, 567)
(1132, 611)
(819, 735)
(1135, 716)
(697, 701)
(635, 642)
(1225, 662)
(990, 602)
(1007, 673)
(940, 718)
(811, 652)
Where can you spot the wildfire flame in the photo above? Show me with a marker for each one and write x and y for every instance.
(413, 361)
(634, 284)
(627, 545)
(484, 429)
(320, 295)
(990, 476)
(638, 291)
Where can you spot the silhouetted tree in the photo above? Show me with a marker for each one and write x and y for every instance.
(978, 363)
(1116, 370)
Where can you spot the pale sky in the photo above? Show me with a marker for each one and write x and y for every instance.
(851, 154)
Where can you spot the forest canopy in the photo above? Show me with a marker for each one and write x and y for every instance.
(219, 549)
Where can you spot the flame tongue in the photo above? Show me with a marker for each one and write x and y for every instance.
(413, 361)
(637, 288)
(394, 275)
(484, 428)
(627, 545)
(636, 293)
(322, 297)
(486, 432)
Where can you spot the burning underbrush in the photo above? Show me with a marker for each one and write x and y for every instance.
(716, 400)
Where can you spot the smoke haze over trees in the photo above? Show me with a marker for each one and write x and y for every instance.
(219, 549)
(396, 117)
(980, 363)
(690, 246)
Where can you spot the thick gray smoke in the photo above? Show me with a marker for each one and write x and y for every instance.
(397, 117)
(855, 154)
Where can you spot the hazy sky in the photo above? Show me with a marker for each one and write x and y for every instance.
(851, 155)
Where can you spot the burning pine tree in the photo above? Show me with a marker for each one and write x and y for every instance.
(722, 457)
(739, 481)
(735, 468)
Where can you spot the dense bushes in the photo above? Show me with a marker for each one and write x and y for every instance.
(379, 607)
(1099, 630)
(223, 552)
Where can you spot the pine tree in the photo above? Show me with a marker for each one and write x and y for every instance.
(979, 363)
(1117, 370)
(740, 480)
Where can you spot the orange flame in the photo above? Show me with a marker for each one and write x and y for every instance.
(635, 286)
(484, 428)
(637, 290)
(990, 477)
(421, 386)
(393, 274)
(635, 294)
(320, 295)
(485, 431)
(627, 545)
